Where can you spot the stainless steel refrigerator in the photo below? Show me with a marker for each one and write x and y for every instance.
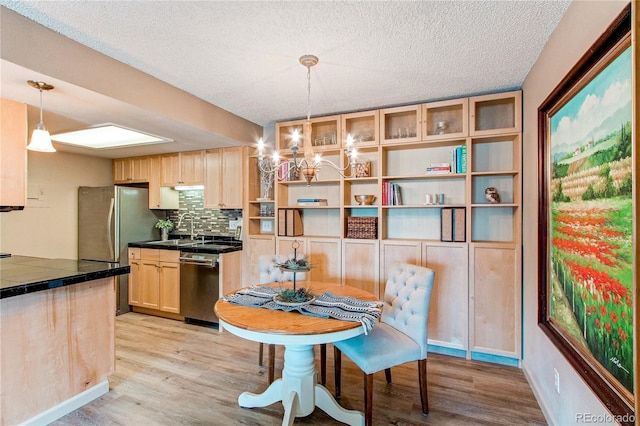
(109, 218)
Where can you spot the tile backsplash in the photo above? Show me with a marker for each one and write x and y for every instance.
(210, 222)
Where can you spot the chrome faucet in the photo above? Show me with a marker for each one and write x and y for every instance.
(193, 235)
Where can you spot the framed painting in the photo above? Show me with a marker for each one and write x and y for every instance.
(586, 213)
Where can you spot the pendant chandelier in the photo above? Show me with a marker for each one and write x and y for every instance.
(310, 163)
(40, 139)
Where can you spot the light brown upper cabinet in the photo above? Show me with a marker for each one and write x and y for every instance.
(131, 170)
(13, 154)
(224, 172)
(184, 168)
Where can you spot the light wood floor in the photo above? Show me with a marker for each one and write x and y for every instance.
(172, 373)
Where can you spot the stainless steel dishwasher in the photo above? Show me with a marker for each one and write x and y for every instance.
(199, 287)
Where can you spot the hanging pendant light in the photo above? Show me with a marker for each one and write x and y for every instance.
(40, 139)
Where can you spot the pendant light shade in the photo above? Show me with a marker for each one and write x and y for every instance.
(40, 139)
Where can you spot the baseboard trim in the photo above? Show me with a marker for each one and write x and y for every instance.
(71, 404)
(496, 359)
(533, 384)
(443, 350)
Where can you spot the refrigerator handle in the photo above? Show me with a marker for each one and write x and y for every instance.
(109, 230)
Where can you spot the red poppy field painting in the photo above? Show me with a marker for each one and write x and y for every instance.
(586, 212)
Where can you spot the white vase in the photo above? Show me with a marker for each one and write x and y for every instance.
(164, 233)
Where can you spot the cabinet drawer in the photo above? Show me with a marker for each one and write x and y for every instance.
(169, 256)
(134, 254)
(149, 254)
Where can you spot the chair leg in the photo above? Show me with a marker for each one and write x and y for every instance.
(368, 399)
(337, 366)
(260, 351)
(323, 364)
(422, 378)
(387, 374)
(272, 362)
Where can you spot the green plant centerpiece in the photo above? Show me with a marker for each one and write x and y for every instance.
(164, 226)
(295, 296)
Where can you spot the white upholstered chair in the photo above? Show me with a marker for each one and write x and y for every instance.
(400, 337)
(269, 273)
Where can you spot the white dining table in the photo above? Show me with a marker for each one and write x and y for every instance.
(298, 389)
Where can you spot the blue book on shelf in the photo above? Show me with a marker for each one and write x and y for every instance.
(311, 200)
(463, 158)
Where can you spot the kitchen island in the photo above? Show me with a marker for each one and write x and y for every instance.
(57, 335)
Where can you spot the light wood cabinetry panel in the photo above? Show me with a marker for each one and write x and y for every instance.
(253, 248)
(495, 322)
(157, 284)
(325, 256)
(134, 277)
(401, 124)
(184, 168)
(169, 300)
(160, 197)
(495, 113)
(448, 311)
(13, 153)
(56, 344)
(224, 178)
(360, 264)
(397, 251)
(325, 133)
(363, 126)
(487, 132)
(445, 119)
(131, 170)
(230, 272)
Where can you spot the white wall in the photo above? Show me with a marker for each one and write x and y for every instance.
(47, 227)
(581, 26)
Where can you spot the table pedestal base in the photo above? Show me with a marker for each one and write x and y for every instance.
(299, 392)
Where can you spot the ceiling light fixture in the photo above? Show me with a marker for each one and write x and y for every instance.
(40, 139)
(106, 136)
(310, 164)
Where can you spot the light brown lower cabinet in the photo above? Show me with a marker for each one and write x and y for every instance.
(360, 264)
(154, 281)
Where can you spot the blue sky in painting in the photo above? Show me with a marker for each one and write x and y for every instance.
(598, 109)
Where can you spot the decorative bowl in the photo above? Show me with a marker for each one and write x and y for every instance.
(365, 200)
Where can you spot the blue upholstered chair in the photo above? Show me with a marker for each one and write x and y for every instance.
(400, 337)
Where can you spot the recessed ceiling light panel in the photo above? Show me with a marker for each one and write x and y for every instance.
(107, 136)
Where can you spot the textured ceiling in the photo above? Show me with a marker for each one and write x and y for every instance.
(243, 56)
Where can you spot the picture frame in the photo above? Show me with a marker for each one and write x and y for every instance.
(586, 260)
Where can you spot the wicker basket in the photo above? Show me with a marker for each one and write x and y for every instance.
(362, 227)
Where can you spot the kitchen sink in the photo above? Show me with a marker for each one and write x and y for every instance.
(178, 243)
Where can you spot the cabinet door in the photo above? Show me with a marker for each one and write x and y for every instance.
(140, 169)
(160, 197)
(169, 278)
(192, 168)
(448, 310)
(397, 251)
(325, 255)
(254, 248)
(495, 113)
(360, 264)
(232, 177)
(213, 176)
(149, 284)
(401, 124)
(13, 153)
(230, 272)
(170, 170)
(134, 282)
(495, 281)
(122, 170)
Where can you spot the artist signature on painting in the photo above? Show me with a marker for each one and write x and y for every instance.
(617, 362)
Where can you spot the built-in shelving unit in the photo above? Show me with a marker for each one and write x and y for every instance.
(482, 264)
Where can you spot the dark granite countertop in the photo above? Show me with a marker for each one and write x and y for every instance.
(215, 246)
(22, 274)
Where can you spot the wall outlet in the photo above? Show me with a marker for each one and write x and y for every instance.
(556, 380)
(266, 226)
